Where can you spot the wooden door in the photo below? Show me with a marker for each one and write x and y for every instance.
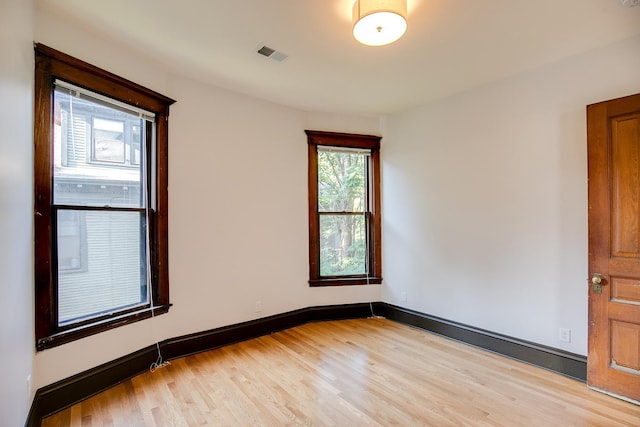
(613, 139)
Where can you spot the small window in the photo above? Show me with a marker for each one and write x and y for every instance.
(100, 200)
(108, 144)
(344, 209)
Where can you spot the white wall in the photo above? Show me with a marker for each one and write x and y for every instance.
(485, 199)
(237, 207)
(16, 253)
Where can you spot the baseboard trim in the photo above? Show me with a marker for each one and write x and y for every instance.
(553, 359)
(69, 391)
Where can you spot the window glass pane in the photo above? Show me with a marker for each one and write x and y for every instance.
(342, 245)
(341, 182)
(91, 164)
(113, 278)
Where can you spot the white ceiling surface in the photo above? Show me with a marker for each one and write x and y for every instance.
(450, 45)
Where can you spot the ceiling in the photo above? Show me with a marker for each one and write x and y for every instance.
(450, 45)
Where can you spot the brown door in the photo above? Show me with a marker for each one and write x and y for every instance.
(613, 139)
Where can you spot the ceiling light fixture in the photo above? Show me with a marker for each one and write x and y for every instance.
(379, 22)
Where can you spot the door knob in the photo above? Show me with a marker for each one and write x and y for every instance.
(597, 282)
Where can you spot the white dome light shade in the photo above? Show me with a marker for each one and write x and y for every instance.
(379, 22)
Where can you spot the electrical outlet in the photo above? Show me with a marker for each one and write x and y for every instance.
(258, 306)
(565, 335)
(403, 296)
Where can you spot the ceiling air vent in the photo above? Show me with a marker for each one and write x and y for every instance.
(630, 3)
(272, 53)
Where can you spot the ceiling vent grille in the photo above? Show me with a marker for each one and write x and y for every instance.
(630, 3)
(272, 53)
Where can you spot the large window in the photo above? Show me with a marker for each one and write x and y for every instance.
(344, 209)
(100, 200)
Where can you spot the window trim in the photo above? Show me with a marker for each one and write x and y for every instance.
(50, 65)
(347, 140)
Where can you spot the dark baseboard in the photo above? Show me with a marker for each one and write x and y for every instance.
(562, 362)
(62, 394)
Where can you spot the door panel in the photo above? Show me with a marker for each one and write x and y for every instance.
(613, 137)
(625, 356)
(625, 290)
(625, 171)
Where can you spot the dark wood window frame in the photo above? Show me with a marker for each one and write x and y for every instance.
(345, 140)
(50, 65)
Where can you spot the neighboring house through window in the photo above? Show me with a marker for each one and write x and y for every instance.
(100, 200)
(344, 209)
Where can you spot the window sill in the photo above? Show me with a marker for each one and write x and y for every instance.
(345, 281)
(79, 332)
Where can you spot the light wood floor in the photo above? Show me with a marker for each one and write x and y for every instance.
(366, 372)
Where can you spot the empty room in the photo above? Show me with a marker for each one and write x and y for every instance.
(320, 212)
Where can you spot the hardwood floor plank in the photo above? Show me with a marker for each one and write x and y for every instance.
(371, 372)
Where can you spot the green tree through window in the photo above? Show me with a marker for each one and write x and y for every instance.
(343, 219)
